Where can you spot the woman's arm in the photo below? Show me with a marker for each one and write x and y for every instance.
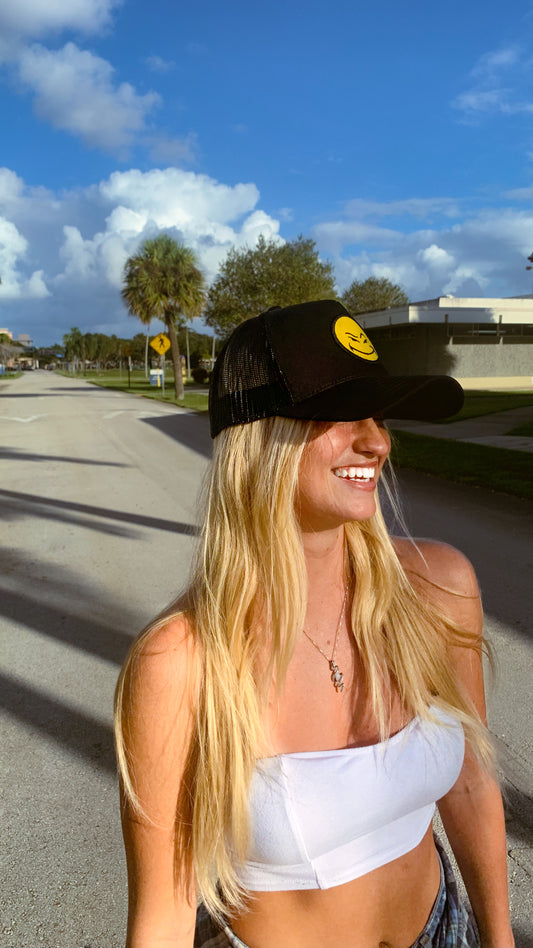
(159, 698)
(472, 811)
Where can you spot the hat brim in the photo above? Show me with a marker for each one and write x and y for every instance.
(414, 397)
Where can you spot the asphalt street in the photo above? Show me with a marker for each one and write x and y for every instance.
(98, 507)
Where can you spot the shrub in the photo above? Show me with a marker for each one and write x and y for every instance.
(200, 375)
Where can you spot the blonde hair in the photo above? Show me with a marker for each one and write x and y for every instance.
(246, 600)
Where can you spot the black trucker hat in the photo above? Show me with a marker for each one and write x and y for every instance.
(314, 361)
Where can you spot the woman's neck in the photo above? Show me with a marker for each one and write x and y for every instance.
(325, 558)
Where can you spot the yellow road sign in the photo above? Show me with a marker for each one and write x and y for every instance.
(160, 343)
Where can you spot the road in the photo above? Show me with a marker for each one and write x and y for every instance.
(98, 495)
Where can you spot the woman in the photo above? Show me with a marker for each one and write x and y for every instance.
(285, 730)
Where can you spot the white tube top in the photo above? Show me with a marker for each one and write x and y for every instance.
(322, 818)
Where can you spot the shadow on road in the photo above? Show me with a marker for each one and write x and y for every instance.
(191, 430)
(493, 530)
(14, 505)
(77, 732)
(19, 454)
(518, 812)
(60, 392)
(59, 622)
(57, 602)
(522, 940)
(61, 605)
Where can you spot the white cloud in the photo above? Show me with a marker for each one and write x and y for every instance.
(77, 254)
(422, 208)
(501, 83)
(520, 194)
(13, 248)
(482, 100)
(491, 63)
(436, 258)
(157, 64)
(33, 18)
(74, 244)
(176, 198)
(11, 187)
(173, 151)
(74, 91)
(484, 253)
(209, 216)
(333, 235)
(285, 214)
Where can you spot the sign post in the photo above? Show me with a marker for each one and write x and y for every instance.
(161, 344)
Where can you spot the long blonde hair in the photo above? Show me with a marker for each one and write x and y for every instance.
(247, 599)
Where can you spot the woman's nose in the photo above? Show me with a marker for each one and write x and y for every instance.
(371, 436)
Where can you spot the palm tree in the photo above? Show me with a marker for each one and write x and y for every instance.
(74, 348)
(163, 280)
(134, 297)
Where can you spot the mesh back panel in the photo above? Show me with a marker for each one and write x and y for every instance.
(247, 362)
(246, 383)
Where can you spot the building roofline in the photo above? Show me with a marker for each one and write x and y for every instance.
(508, 310)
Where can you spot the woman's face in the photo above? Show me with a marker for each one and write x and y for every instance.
(339, 472)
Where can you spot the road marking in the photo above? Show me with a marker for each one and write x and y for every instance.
(24, 421)
(139, 414)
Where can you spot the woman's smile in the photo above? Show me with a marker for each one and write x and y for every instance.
(339, 472)
(361, 477)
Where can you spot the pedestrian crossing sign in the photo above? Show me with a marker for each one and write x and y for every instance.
(160, 343)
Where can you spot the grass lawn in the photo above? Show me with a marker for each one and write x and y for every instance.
(118, 380)
(525, 430)
(479, 403)
(478, 465)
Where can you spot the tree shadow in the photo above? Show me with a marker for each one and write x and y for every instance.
(191, 430)
(19, 454)
(87, 389)
(78, 733)
(16, 505)
(59, 604)
(60, 392)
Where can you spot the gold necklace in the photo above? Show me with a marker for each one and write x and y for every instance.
(337, 676)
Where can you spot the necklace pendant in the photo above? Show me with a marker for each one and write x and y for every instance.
(337, 676)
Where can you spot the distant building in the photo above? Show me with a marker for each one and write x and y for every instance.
(24, 339)
(485, 343)
(6, 332)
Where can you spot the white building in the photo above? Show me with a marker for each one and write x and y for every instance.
(485, 343)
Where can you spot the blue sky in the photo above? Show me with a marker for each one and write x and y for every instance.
(398, 136)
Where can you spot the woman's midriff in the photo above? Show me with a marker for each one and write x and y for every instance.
(387, 908)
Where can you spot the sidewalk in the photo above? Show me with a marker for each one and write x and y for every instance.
(487, 429)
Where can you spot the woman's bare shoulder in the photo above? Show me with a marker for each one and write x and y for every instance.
(168, 652)
(160, 694)
(164, 671)
(432, 562)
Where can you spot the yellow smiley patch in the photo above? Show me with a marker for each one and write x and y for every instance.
(354, 339)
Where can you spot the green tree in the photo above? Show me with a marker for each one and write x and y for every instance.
(270, 274)
(73, 343)
(365, 296)
(200, 345)
(163, 280)
(133, 294)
